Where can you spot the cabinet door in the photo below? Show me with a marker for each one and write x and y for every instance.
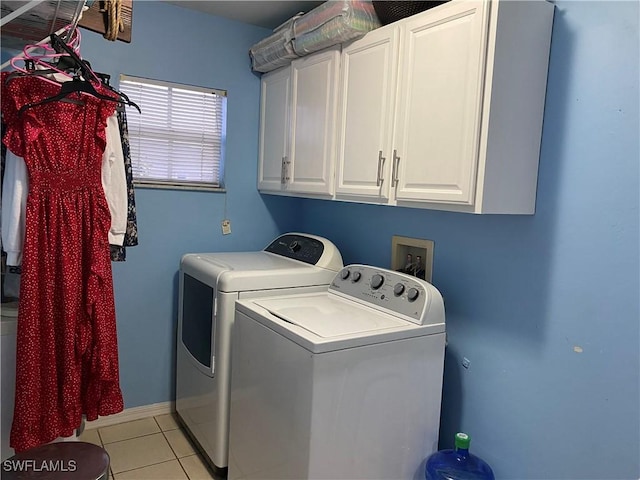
(312, 154)
(439, 111)
(275, 104)
(368, 86)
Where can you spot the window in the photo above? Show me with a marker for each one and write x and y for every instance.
(178, 140)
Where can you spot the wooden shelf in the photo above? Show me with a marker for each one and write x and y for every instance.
(96, 21)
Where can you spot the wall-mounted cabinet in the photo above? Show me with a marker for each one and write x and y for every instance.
(444, 109)
(275, 108)
(297, 127)
(368, 88)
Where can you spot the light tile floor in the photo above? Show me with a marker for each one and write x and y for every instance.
(153, 448)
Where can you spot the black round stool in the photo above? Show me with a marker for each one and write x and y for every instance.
(58, 461)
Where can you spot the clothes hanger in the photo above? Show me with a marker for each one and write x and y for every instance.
(45, 69)
(77, 85)
(124, 99)
(104, 78)
(22, 72)
(35, 64)
(67, 88)
(83, 67)
(64, 65)
(86, 71)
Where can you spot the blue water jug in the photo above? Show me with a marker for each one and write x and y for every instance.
(457, 464)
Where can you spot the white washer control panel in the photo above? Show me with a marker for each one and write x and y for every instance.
(393, 292)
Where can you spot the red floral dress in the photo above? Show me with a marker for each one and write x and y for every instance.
(67, 353)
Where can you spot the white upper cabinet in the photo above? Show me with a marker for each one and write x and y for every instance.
(444, 109)
(275, 107)
(368, 86)
(437, 121)
(297, 127)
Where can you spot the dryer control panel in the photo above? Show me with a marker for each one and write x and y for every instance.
(298, 247)
(394, 292)
(307, 248)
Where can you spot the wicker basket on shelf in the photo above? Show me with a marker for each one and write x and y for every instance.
(391, 11)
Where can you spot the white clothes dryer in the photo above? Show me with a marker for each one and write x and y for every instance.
(340, 384)
(209, 285)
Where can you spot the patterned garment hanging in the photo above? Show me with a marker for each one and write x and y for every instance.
(118, 253)
(67, 352)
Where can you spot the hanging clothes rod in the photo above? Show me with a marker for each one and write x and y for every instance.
(25, 22)
(35, 45)
(82, 5)
(19, 11)
(77, 15)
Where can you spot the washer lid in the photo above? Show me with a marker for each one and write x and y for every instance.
(330, 317)
(321, 322)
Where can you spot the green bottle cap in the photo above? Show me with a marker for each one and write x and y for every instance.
(462, 440)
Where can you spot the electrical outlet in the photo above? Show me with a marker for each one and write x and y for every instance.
(226, 227)
(413, 256)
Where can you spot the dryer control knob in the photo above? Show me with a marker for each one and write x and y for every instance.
(295, 246)
(356, 277)
(344, 274)
(398, 289)
(412, 294)
(376, 281)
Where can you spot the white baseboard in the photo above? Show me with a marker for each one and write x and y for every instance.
(130, 414)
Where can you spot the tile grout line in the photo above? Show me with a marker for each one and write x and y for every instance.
(171, 447)
(146, 466)
(132, 438)
(140, 436)
(166, 439)
(196, 453)
(163, 432)
(110, 474)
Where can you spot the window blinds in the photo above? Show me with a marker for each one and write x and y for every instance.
(179, 138)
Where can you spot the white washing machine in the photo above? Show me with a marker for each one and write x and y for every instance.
(210, 284)
(340, 384)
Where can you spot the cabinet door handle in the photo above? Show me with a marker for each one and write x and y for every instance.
(381, 161)
(286, 169)
(282, 171)
(394, 174)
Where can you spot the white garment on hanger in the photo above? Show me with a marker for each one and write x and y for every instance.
(15, 186)
(114, 181)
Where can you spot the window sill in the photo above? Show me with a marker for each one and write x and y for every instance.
(179, 186)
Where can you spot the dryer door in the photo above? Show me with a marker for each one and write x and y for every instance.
(197, 322)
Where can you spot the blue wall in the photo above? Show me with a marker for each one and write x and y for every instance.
(522, 292)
